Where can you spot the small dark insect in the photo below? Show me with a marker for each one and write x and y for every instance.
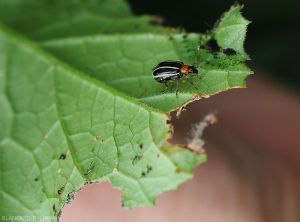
(170, 70)
(141, 146)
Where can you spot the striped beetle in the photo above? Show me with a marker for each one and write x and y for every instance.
(171, 70)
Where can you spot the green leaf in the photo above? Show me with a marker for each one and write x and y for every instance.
(56, 19)
(231, 30)
(61, 129)
(124, 60)
(80, 105)
(127, 61)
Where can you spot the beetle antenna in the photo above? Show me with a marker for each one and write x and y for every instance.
(197, 55)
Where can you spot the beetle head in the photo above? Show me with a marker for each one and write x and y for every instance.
(193, 70)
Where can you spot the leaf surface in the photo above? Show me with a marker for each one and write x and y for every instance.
(61, 129)
(78, 102)
(230, 31)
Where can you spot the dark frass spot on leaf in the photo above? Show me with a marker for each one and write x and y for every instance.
(213, 45)
(36, 179)
(229, 51)
(61, 190)
(62, 156)
(141, 146)
(54, 209)
(149, 169)
(136, 159)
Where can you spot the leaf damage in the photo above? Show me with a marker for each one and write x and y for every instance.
(110, 124)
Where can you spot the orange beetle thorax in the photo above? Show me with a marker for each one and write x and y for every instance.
(184, 69)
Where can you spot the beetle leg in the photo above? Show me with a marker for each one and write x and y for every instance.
(167, 87)
(177, 88)
(192, 83)
(166, 84)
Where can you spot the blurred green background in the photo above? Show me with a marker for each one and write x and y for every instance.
(272, 39)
